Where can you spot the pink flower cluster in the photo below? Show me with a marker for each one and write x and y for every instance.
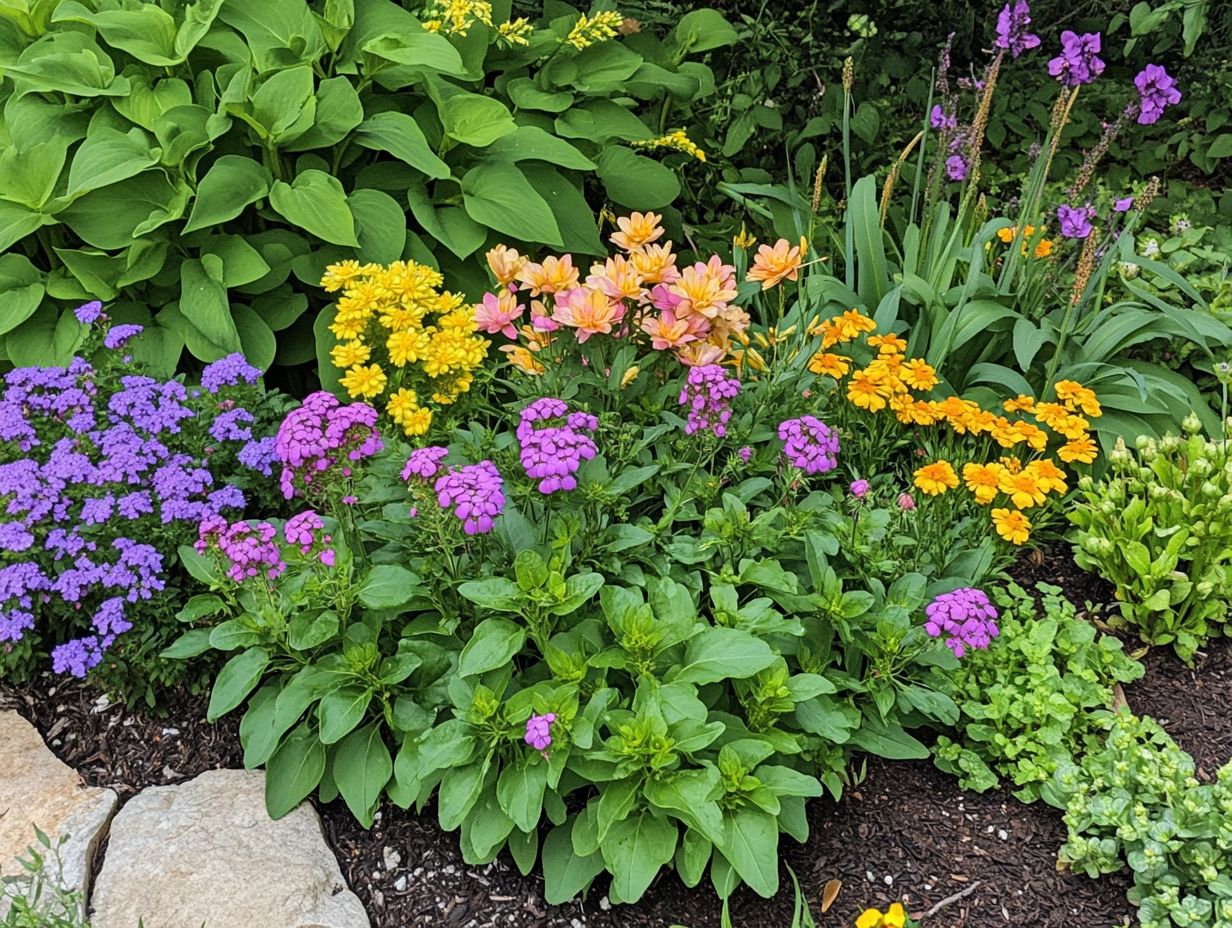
(251, 549)
(307, 532)
(539, 731)
(553, 452)
(965, 617)
(320, 442)
(424, 463)
(708, 393)
(476, 494)
(811, 445)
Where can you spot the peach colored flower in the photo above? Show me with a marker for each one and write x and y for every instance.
(589, 311)
(698, 354)
(554, 275)
(707, 288)
(656, 264)
(773, 265)
(505, 264)
(637, 230)
(667, 332)
(499, 313)
(618, 277)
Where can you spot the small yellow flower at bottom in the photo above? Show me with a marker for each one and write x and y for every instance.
(893, 917)
(1011, 525)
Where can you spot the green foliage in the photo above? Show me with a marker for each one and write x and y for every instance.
(1136, 803)
(1157, 528)
(188, 163)
(35, 896)
(1034, 700)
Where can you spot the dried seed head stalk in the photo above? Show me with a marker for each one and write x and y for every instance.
(1086, 264)
(849, 74)
(980, 123)
(896, 170)
(818, 180)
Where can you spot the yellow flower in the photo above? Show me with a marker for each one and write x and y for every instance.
(1051, 477)
(919, 374)
(656, 264)
(401, 402)
(505, 264)
(983, 481)
(745, 239)
(1073, 427)
(1051, 414)
(417, 422)
(934, 479)
(522, 359)
(1043, 248)
(349, 354)
(1013, 465)
(1011, 525)
(516, 32)
(364, 382)
(677, 140)
(888, 344)
(865, 392)
(552, 276)
(591, 29)
(339, 275)
(1074, 394)
(830, 365)
(774, 264)
(1078, 449)
(1023, 488)
(894, 917)
(407, 347)
(637, 230)
(629, 376)
(1021, 403)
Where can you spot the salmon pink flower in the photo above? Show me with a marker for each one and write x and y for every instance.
(589, 311)
(499, 313)
(667, 332)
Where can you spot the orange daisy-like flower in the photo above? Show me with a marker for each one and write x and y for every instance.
(1073, 427)
(618, 277)
(656, 264)
(1082, 450)
(1051, 414)
(867, 392)
(888, 344)
(919, 374)
(1013, 465)
(774, 264)
(554, 275)
(1021, 403)
(983, 480)
(934, 479)
(588, 311)
(522, 359)
(1043, 248)
(830, 365)
(1011, 525)
(1051, 477)
(1023, 488)
(1074, 394)
(637, 230)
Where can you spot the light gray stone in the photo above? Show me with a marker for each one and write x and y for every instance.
(205, 851)
(37, 788)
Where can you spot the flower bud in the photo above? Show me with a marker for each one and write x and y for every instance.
(1210, 490)
(1085, 483)
(1170, 443)
(1191, 424)
(1142, 441)
(1200, 467)
(1204, 588)
(1158, 492)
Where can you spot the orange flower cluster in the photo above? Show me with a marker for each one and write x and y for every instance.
(1022, 479)
(1043, 248)
(638, 293)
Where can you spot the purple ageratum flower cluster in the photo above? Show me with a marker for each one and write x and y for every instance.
(231, 371)
(476, 494)
(90, 460)
(1012, 29)
(539, 731)
(424, 463)
(320, 442)
(811, 445)
(554, 442)
(120, 335)
(1075, 221)
(1079, 62)
(1156, 91)
(708, 393)
(965, 618)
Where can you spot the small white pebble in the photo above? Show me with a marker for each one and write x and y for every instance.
(577, 923)
(448, 871)
(605, 903)
(888, 880)
(400, 883)
(1003, 834)
(170, 732)
(868, 875)
(391, 858)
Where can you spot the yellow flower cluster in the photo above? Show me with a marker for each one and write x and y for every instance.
(1043, 248)
(893, 917)
(516, 31)
(591, 30)
(676, 140)
(402, 339)
(455, 17)
(888, 382)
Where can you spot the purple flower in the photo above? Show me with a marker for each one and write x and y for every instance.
(552, 453)
(539, 731)
(1079, 61)
(320, 442)
(938, 118)
(120, 335)
(259, 455)
(745, 453)
(305, 530)
(1123, 205)
(90, 313)
(956, 168)
(859, 488)
(811, 445)
(228, 372)
(226, 497)
(476, 494)
(14, 623)
(77, 657)
(424, 463)
(708, 394)
(232, 425)
(1012, 27)
(251, 551)
(1075, 221)
(965, 618)
(1156, 90)
(15, 537)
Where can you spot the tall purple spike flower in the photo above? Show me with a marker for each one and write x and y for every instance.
(475, 493)
(1156, 90)
(1012, 25)
(811, 445)
(708, 393)
(1079, 61)
(965, 618)
(554, 442)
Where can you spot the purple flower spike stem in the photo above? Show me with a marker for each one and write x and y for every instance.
(539, 731)
(554, 442)
(475, 493)
(1075, 221)
(965, 618)
(1079, 62)
(1156, 91)
(708, 393)
(810, 444)
(1012, 26)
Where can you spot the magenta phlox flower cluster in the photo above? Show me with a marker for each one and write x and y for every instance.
(320, 442)
(809, 444)
(424, 463)
(250, 548)
(1012, 28)
(1079, 62)
(90, 460)
(306, 531)
(476, 494)
(1156, 91)
(708, 393)
(539, 731)
(965, 618)
(554, 442)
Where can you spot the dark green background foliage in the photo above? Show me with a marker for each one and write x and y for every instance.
(197, 164)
